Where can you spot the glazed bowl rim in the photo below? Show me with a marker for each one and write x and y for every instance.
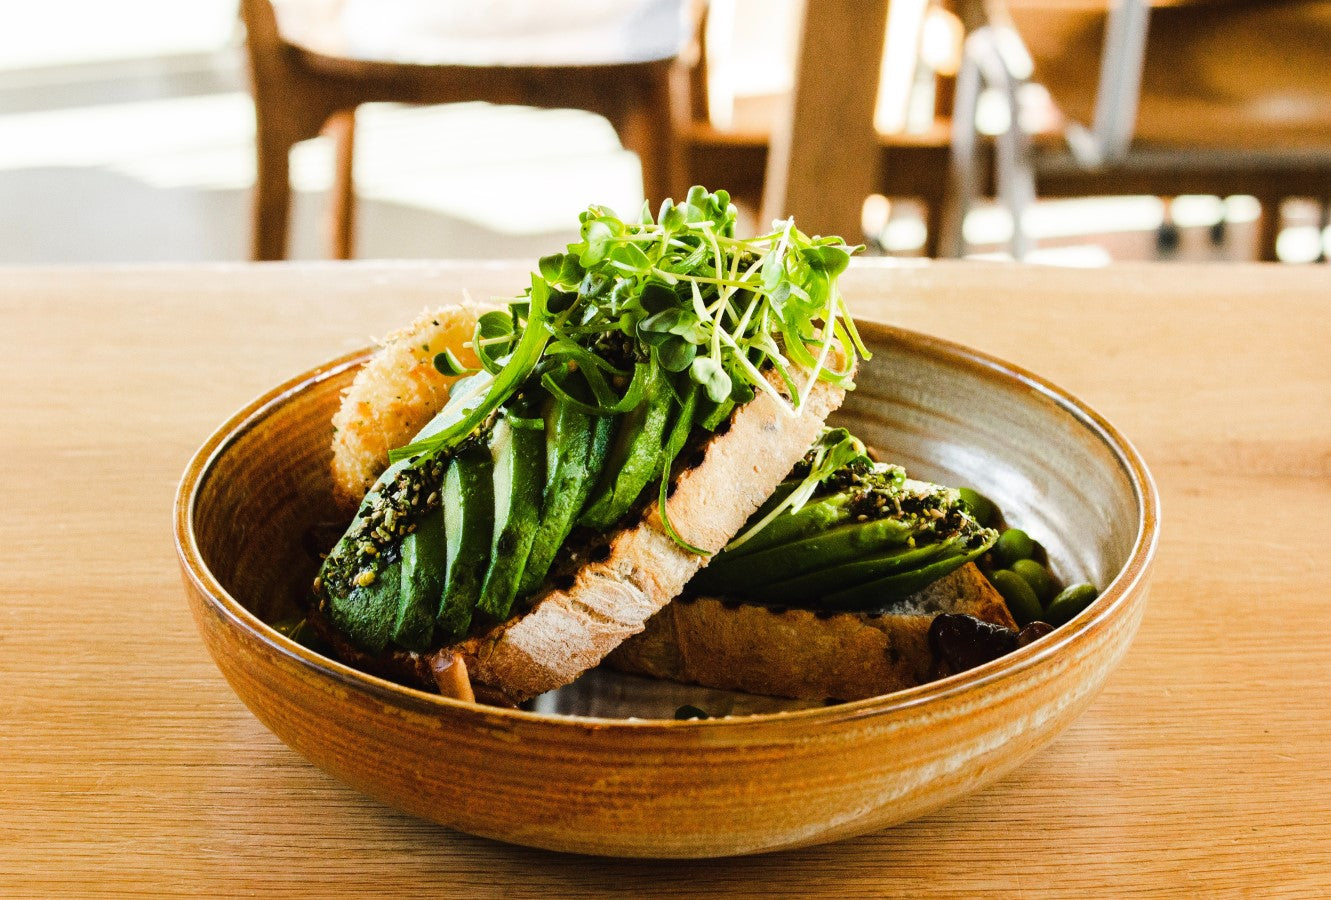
(1115, 595)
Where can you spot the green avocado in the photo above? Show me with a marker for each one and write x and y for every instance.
(367, 613)
(635, 455)
(753, 571)
(823, 581)
(577, 446)
(468, 505)
(422, 583)
(811, 519)
(883, 591)
(518, 450)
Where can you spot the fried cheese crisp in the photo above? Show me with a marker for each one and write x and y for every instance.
(394, 395)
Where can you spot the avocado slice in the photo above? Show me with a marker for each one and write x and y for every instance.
(634, 458)
(877, 567)
(812, 518)
(518, 450)
(877, 594)
(844, 543)
(577, 446)
(372, 615)
(423, 554)
(468, 509)
(367, 613)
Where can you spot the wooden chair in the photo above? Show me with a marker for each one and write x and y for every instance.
(1216, 97)
(818, 156)
(303, 86)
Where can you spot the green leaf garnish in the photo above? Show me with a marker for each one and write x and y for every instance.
(723, 318)
(447, 363)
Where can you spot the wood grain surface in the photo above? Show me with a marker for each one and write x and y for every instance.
(128, 767)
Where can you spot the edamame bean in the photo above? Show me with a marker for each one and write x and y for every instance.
(1014, 544)
(1021, 600)
(1070, 601)
(1038, 577)
(982, 508)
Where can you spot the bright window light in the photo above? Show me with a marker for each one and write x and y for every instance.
(1193, 211)
(1300, 244)
(1242, 208)
(903, 235)
(63, 32)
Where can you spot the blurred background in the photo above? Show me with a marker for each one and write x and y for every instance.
(128, 129)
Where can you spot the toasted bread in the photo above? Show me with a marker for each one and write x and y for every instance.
(803, 654)
(611, 595)
(570, 629)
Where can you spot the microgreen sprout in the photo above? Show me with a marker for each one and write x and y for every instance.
(724, 318)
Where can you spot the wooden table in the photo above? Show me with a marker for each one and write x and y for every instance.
(126, 764)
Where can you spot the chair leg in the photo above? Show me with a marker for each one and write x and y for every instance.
(290, 105)
(272, 195)
(1167, 236)
(1014, 167)
(934, 207)
(644, 128)
(342, 200)
(1323, 220)
(1016, 183)
(962, 178)
(1268, 228)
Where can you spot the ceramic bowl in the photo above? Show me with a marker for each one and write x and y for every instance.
(660, 787)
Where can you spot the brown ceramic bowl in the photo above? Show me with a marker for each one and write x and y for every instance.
(665, 788)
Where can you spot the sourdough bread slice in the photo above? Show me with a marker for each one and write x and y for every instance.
(803, 654)
(570, 629)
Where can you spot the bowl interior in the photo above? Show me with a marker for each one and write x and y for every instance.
(962, 419)
(263, 506)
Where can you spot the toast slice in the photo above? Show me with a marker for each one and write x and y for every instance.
(640, 568)
(800, 653)
(621, 582)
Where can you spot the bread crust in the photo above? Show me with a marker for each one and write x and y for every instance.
(799, 653)
(568, 631)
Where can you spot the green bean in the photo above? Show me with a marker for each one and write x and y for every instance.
(1071, 601)
(1038, 577)
(1021, 600)
(1014, 544)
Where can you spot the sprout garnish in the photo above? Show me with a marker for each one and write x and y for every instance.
(679, 295)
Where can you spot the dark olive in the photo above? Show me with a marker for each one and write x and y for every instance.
(1033, 632)
(962, 642)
